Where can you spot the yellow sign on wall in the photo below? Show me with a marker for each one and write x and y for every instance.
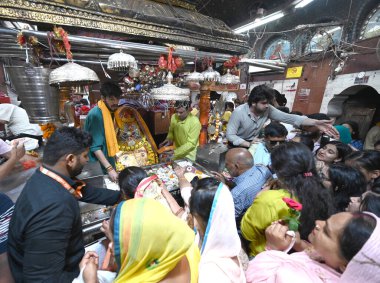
(294, 72)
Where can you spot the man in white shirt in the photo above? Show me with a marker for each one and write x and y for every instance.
(17, 123)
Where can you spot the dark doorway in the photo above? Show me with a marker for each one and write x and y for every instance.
(360, 104)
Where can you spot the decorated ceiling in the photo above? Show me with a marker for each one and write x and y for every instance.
(167, 21)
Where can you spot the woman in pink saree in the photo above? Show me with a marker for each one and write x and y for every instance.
(345, 248)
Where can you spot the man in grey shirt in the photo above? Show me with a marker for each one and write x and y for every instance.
(248, 119)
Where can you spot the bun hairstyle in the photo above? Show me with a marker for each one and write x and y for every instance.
(202, 197)
(129, 178)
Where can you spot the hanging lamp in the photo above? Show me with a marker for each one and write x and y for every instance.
(211, 75)
(121, 62)
(72, 74)
(195, 76)
(170, 92)
(229, 79)
(193, 79)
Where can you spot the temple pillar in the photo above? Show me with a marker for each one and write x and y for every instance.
(204, 107)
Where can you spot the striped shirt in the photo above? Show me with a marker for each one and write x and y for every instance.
(6, 211)
(247, 186)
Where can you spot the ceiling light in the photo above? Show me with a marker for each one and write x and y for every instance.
(334, 29)
(22, 26)
(303, 3)
(253, 69)
(259, 22)
(8, 24)
(329, 32)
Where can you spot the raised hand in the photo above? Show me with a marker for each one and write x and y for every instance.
(276, 236)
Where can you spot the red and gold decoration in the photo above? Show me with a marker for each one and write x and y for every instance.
(170, 63)
(31, 42)
(70, 74)
(61, 40)
(21, 39)
(148, 77)
(231, 71)
(232, 62)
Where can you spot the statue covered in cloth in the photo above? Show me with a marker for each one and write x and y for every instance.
(136, 144)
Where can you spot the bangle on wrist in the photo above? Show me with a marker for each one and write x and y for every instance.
(109, 168)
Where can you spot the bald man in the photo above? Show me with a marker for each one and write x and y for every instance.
(247, 178)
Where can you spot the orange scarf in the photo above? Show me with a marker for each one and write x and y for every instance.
(109, 130)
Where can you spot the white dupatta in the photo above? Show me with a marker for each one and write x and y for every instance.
(221, 244)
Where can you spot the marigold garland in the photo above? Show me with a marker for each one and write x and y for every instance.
(218, 123)
(47, 130)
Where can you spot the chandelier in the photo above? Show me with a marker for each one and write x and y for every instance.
(170, 92)
(72, 74)
(211, 75)
(121, 62)
(229, 79)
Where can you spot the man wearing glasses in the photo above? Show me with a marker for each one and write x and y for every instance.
(274, 135)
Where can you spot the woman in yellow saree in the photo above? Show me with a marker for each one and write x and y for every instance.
(152, 245)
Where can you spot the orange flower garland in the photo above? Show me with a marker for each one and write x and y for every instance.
(47, 130)
(218, 123)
